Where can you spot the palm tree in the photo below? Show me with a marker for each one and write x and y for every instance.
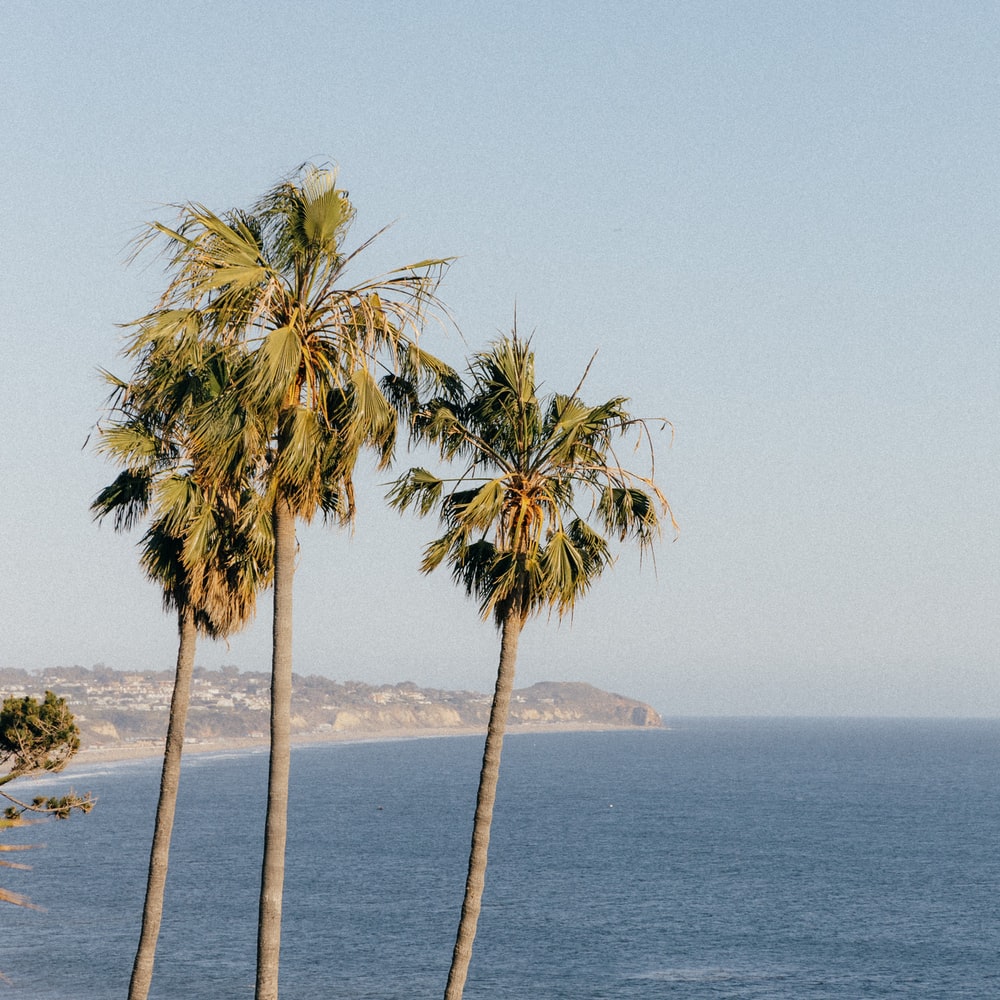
(305, 403)
(204, 549)
(517, 535)
(233, 577)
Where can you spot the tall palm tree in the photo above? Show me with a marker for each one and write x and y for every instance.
(517, 533)
(205, 549)
(305, 403)
(232, 577)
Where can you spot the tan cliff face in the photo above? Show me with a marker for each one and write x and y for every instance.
(643, 715)
(575, 702)
(596, 708)
(397, 717)
(104, 731)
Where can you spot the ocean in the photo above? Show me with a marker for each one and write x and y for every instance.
(833, 859)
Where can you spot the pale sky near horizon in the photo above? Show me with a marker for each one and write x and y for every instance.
(777, 223)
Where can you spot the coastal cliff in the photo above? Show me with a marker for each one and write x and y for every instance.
(119, 707)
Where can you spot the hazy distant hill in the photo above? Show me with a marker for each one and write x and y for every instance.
(116, 706)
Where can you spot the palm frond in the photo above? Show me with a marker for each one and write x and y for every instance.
(417, 488)
(373, 415)
(275, 369)
(475, 567)
(126, 499)
(132, 443)
(629, 512)
(478, 509)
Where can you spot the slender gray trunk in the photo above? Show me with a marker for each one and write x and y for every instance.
(152, 912)
(276, 824)
(488, 778)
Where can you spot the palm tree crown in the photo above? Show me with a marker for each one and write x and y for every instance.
(328, 363)
(539, 472)
(207, 547)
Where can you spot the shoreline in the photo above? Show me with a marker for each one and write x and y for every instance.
(124, 751)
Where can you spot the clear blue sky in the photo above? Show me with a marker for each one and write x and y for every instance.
(777, 222)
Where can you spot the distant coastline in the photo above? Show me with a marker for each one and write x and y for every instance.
(125, 713)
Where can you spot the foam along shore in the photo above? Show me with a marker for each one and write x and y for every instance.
(145, 749)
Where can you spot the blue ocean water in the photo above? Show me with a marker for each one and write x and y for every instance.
(745, 859)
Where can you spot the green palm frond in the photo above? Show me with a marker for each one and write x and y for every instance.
(417, 488)
(319, 214)
(275, 369)
(174, 334)
(414, 363)
(563, 568)
(437, 421)
(177, 500)
(373, 415)
(229, 438)
(475, 567)
(212, 253)
(162, 560)
(417, 373)
(591, 547)
(401, 394)
(436, 553)
(134, 443)
(629, 512)
(200, 538)
(479, 509)
(126, 500)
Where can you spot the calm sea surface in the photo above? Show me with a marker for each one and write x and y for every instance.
(722, 858)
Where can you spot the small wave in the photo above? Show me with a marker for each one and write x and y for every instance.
(210, 757)
(705, 974)
(32, 782)
(687, 975)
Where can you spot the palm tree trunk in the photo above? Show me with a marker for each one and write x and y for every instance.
(142, 969)
(488, 778)
(276, 824)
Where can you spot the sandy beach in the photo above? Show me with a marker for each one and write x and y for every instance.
(138, 751)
